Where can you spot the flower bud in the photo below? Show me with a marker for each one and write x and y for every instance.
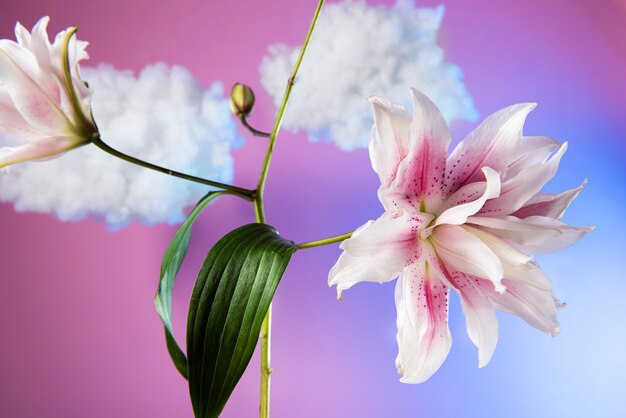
(241, 100)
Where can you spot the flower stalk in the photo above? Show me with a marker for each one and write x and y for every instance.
(237, 191)
(259, 210)
(251, 129)
(325, 241)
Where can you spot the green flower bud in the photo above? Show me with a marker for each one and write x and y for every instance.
(241, 100)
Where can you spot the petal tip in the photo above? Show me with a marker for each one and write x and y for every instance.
(556, 331)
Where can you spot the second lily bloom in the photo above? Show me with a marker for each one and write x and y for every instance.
(465, 221)
(43, 101)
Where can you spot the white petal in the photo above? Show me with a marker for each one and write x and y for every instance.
(22, 35)
(12, 122)
(533, 150)
(377, 251)
(516, 265)
(495, 143)
(536, 306)
(551, 205)
(423, 335)
(388, 145)
(461, 199)
(521, 188)
(480, 316)
(462, 251)
(534, 233)
(36, 150)
(40, 45)
(29, 97)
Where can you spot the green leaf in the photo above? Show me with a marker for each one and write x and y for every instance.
(172, 260)
(232, 294)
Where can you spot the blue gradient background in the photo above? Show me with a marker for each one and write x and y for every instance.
(80, 337)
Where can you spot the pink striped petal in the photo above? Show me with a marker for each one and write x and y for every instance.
(494, 144)
(377, 251)
(422, 306)
(462, 251)
(480, 316)
(550, 205)
(520, 189)
(419, 180)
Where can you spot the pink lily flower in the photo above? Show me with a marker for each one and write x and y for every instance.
(43, 101)
(465, 221)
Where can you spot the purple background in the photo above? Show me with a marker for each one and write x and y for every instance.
(80, 336)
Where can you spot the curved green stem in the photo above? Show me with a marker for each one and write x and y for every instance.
(238, 191)
(252, 130)
(325, 241)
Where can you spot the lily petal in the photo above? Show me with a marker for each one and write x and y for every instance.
(534, 305)
(40, 45)
(494, 143)
(30, 99)
(532, 234)
(388, 145)
(12, 122)
(423, 335)
(462, 251)
(550, 205)
(36, 150)
(480, 316)
(420, 175)
(519, 189)
(377, 251)
(533, 150)
(459, 206)
(516, 265)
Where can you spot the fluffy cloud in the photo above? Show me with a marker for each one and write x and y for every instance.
(357, 51)
(162, 116)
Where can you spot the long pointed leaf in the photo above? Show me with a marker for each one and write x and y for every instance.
(232, 294)
(170, 265)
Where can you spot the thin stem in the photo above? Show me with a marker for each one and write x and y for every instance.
(252, 130)
(266, 370)
(325, 241)
(281, 110)
(238, 191)
(259, 210)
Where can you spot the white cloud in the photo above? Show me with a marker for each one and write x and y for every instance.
(357, 51)
(162, 116)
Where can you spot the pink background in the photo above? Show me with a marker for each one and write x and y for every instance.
(81, 338)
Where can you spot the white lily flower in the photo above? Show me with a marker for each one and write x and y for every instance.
(467, 222)
(42, 98)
